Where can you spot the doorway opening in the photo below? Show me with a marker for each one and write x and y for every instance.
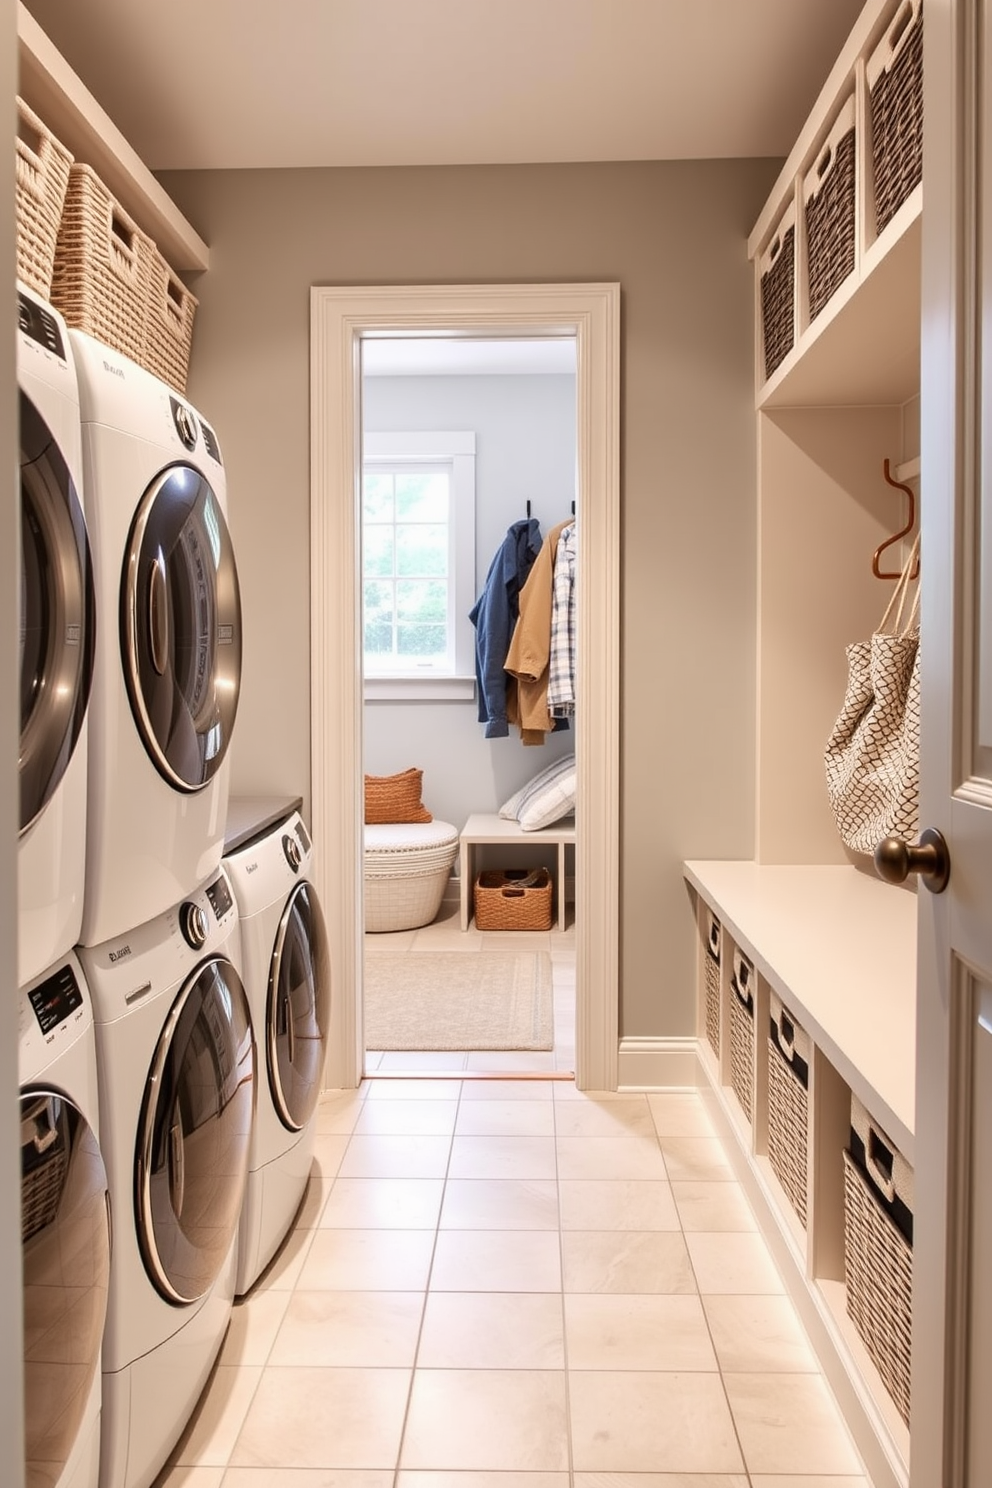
(342, 320)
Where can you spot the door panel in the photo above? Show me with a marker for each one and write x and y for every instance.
(298, 1009)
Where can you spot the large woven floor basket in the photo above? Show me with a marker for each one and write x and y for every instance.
(407, 867)
(41, 173)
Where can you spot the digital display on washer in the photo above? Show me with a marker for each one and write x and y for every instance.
(220, 897)
(301, 832)
(55, 998)
(39, 325)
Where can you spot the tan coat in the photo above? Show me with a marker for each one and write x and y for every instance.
(529, 656)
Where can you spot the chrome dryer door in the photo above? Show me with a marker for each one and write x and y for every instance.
(298, 1008)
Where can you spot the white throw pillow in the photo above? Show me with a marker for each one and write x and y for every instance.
(531, 803)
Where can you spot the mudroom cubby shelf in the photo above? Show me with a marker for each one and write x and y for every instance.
(48, 85)
(835, 951)
(863, 345)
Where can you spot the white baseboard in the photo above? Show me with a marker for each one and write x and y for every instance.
(658, 1064)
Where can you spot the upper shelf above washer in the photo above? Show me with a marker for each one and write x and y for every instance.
(48, 85)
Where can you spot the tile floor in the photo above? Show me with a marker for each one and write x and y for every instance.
(510, 1277)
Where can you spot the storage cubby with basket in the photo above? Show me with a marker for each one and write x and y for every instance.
(777, 275)
(711, 980)
(878, 1251)
(788, 1104)
(829, 207)
(513, 899)
(41, 173)
(895, 94)
(742, 1012)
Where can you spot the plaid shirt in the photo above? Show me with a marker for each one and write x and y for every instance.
(561, 672)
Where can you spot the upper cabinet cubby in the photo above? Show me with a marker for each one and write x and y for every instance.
(837, 248)
(48, 85)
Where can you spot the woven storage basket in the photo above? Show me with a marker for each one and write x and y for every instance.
(788, 1103)
(169, 324)
(895, 94)
(828, 194)
(878, 1251)
(41, 170)
(513, 899)
(711, 976)
(742, 1031)
(406, 869)
(102, 277)
(777, 270)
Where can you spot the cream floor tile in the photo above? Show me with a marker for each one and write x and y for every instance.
(501, 1420)
(505, 1090)
(307, 1477)
(181, 1476)
(713, 1206)
(414, 1089)
(566, 1090)
(618, 1118)
(626, 1261)
(502, 1157)
(624, 1332)
(328, 1153)
(536, 1062)
(500, 1204)
(804, 1480)
(309, 1212)
(662, 1480)
(320, 1418)
(758, 1334)
(609, 1157)
(630, 1422)
(426, 1118)
(282, 1271)
(360, 1330)
(373, 1060)
(214, 1426)
(396, 1156)
(506, 1118)
(733, 1264)
(631, 1204)
(680, 1114)
(788, 1423)
(388, 942)
(492, 1330)
(339, 1110)
(496, 1261)
(383, 1204)
(254, 1324)
(696, 1158)
(481, 1480)
(368, 1260)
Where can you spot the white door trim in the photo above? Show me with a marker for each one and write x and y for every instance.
(339, 319)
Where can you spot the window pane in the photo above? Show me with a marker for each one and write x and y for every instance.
(377, 497)
(378, 618)
(423, 600)
(377, 551)
(421, 551)
(422, 498)
(427, 641)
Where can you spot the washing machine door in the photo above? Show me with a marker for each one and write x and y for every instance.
(191, 1157)
(56, 622)
(298, 1008)
(181, 627)
(65, 1240)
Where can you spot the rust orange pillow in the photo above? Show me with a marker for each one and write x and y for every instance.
(395, 798)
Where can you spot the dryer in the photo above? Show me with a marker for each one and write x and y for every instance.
(286, 969)
(56, 642)
(65, 1230)
(175, 1063)
(168, 655)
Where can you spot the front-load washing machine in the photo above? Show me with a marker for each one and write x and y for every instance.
(65, 1230)
(286, 969)
(176, 1069)
(167, 668)
(56, 642)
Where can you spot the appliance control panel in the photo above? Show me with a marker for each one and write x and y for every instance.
(54, 1011)
(40, 325)
(205, 913)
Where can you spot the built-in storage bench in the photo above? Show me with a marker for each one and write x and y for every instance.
(831, 950)
(483, 830)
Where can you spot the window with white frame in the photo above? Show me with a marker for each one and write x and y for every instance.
(418, 564)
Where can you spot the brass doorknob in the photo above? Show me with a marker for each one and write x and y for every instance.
(895, 860)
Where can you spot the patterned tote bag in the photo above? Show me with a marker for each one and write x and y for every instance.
(872, 757)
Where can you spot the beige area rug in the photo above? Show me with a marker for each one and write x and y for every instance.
(436, 1000)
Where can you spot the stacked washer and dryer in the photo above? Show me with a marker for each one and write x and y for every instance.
(138, 1050)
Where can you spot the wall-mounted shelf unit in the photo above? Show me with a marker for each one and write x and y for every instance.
(49, 85)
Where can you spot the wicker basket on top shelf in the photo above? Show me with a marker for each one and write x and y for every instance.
(168, 324)
(895, 96)
(829, 198)
(41, 172)
(777, 271)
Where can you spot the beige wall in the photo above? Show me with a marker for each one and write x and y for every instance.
(673, 235)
